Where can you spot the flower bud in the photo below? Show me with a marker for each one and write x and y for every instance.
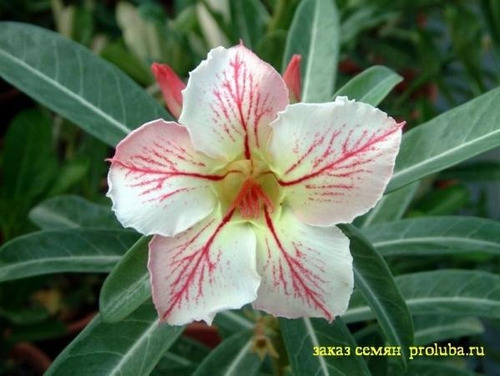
(292, 78)
(171, 87)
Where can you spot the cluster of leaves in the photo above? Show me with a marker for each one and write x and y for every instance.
(446, 287)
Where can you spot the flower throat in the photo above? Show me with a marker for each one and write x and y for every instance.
(248, 188)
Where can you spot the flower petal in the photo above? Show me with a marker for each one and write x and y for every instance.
(229, 101)
(305, 270)
(158, 183)
(340, 158)
(204, 270)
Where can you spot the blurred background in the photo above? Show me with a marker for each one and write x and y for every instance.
(448, 52)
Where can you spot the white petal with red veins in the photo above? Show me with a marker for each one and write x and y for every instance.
(158, 183)
(306, 271)
(229, 101)
(204, 270)
(333, 160)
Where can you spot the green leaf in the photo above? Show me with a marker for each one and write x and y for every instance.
(249, 18)
(134, 67)
(127, 286)
(491, 13)
(282, 14)
(448, 139)
(464, 43)
(131, 347)
(301, 336)
(370, 336)
(314, 34)
(95, 152)
(72, 172)
(444, 201)
(362, 18)
(69, 79)
(84, 29)
(441, 292)
(435, 236)
(391, 207)
(430, 329)
(60, 251)
(233, 357)
(233, 321)
(272, 47)
(182, 358)
(66, 212)
(474, 171)
(29, 162)
(375, 282)
(370, 86)
(433, 368)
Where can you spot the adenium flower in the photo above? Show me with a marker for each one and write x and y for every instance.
(243, 193)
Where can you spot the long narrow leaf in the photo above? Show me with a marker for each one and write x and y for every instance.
(391, 207)
(441, 292)
(302, 336)
(234, 357)
(61, 251)
(250, 18)
(131, 347)
(233, 321)
(72, 81)
(370, 86)
(127, 287)
(72, 212)
(430, 329)
(29, 161)
(182, 358)
(375, 282)
(474, 171)
(435, 236)
(448, 139)
(314, 34)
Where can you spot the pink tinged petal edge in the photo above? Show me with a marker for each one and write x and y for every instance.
(306, 271)
(229, 101)
(340, 157)
(204, 270)
(158, 183)
(292, 78)
(171, 87)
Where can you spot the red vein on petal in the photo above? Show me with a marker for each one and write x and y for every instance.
(169, 174)
(299, 274)
(193, 266)
(346, 155)
(303, 157)
(237, 64)
(165, 196)
(238, 100)
(151, 178)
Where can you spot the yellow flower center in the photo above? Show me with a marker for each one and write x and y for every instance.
(248, 188)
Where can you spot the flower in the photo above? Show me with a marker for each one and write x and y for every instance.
(242, 194)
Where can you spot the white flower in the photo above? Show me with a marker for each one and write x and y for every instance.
(243, 194)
